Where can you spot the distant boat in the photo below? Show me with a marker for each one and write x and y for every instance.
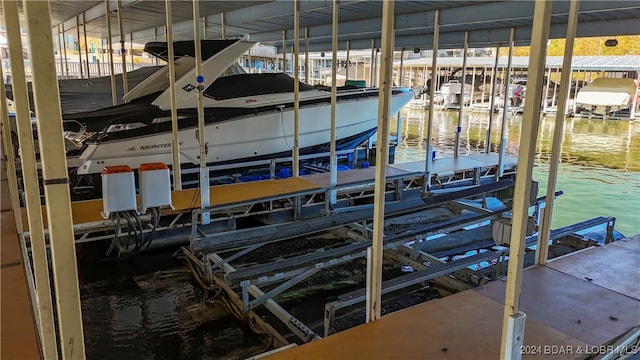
(607, 98)
(452, 94)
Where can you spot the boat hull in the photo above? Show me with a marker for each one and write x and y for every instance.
(239, 139)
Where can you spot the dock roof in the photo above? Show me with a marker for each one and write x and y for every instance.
(579, 63)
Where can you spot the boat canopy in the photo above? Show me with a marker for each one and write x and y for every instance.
(608, 92)
(208, 48)
(242, 85)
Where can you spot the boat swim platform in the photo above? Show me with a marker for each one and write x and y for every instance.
(18, 338)
(228, 195)
(566, 312)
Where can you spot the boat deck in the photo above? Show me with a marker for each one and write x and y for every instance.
(564, 309)
(86, 212)
(17, 325)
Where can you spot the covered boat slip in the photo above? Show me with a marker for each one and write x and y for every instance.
(575, 305)
(88, 212)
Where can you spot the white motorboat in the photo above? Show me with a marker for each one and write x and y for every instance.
(248, 117)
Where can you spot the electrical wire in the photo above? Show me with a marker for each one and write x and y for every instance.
(135, 240)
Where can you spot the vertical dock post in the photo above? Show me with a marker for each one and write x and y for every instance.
(175, 142)
(503, 128)
(373, 49)
(64, 51)
(374, 258)
(80, 71)
(11, 160)
(44, 310)
(432, 95)
(306, 56)
(399, 116)
(202, 136)
(114, 92)
(86, 48)
(530, 122)
(123, 50)
(542, 247)
(296, 88)
(223, 27)
(333, 160)
(462, 88)
(55, 179)
(492, 99)
(346, 69)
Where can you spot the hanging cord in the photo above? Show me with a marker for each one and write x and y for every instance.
(116, 230)
(155, 221)
(284, 134)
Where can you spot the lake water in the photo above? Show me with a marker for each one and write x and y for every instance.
(600, 162)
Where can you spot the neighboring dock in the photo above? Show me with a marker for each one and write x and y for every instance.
(577, 304)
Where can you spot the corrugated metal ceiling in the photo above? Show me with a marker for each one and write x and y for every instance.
(487, 21)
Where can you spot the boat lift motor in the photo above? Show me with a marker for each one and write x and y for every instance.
(118, 190)
(155, 186)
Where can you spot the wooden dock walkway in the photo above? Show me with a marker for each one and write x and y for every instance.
(18, 338)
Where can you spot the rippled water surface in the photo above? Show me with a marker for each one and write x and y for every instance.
(600, 163)
(149, 308)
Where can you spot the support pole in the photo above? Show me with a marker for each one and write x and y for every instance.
(492, 99)
(80, 72)
(373, 49)
(546, 91)
(204, 27)
(114, 96)
(374, 260)
(155, 38)
(64, 51)
(175, 141)
(123, 51)
(9, 151)
(333, 160)
(284, 51)
(401, 69)
(44, 309)
(55, 180)
(296, 88)
(223, 27)
(575, 90)
(306, 56)
(131, 50)
(59, 44)
(86, 48)
(473, 85)
(399, 116)
(503, 128)
(511, 339)
(542, 248)
(462, 89)
(204, 172)
(346, 69)
(432, 95)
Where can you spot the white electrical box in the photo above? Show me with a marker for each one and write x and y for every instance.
(118, 190)
(155, 186)
(501, 230)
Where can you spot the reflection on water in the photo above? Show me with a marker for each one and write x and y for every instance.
(600, 161)
(148, 308)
